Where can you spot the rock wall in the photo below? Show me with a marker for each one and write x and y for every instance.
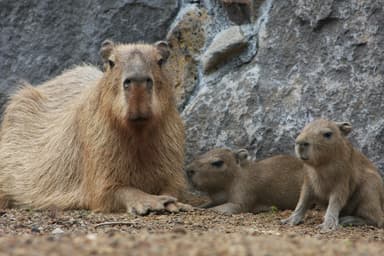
(247, 73)
(39, 39)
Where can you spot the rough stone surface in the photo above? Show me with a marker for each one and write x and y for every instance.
(186, 39)
(238, 11)
(226, 44)
(39, 39)
(313, 60)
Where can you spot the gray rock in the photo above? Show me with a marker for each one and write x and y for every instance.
(225, 45)
(39, 39)
(313, 60)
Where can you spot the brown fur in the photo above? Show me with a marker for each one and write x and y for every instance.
(339, 176)
(237, 184)
(83, 140)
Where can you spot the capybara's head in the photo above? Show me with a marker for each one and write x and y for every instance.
(321, 141)
(135, 81)
(215, 170)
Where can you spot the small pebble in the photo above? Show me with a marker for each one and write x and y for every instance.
(35, 229)
(57, 231)
(91, 236)
(179, 230)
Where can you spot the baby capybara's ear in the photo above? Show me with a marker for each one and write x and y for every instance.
(344, 127)
(106, 53)
(163, 48)
(241, 155)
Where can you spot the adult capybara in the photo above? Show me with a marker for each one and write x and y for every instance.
(102, 141)
(236, 184)
(337, 175)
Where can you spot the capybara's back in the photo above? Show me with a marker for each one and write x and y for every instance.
(279, 180)
(37, 132)
(101, 141)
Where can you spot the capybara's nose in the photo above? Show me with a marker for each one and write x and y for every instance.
(190, 173)
(138, 81)
(302, 143)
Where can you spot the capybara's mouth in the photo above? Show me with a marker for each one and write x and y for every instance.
(138, 119)
(302, 156)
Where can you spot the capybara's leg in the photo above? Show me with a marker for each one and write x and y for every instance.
(208, 204)
(261, 208)
(228, 208)
(336, 202)
(140, 203)
(216, 199)
(5, 201)
(370, 207)
(370, 211)
(353, 221)
(302, 206)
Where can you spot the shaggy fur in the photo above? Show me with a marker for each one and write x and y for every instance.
(339, 176)
(236, 184)
(82, 140)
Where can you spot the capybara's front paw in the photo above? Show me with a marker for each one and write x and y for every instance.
(227, 209)
(329, 224)
(151, 204)
(179, 207)
(292, 220)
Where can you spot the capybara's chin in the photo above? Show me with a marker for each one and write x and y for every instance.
(302, 155)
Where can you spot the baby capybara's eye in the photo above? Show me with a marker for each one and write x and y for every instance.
(327, 135)
(126, 83)
(149, 83)
(111, 63)
(160, 62)
(217, 163)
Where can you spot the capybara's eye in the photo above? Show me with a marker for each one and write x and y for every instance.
(111, 63)
(217, 163)
(327, 135)
(160, 62)
(127, 82)
(149, 82)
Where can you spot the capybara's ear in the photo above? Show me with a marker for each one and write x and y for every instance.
(106, 53)
(241, 155)
(344, 127)
(163, 48)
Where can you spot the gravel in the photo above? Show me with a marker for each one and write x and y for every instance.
(201, 232)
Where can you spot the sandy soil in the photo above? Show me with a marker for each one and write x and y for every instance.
(202, 232)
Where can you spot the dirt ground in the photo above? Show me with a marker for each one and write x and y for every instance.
(201, 232)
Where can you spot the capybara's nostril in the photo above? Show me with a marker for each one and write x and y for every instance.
(302, 144)
(149, 83)
(190, 173)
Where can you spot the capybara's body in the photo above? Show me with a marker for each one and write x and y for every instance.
(237, 184)
(338, 176)
(103, 141)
